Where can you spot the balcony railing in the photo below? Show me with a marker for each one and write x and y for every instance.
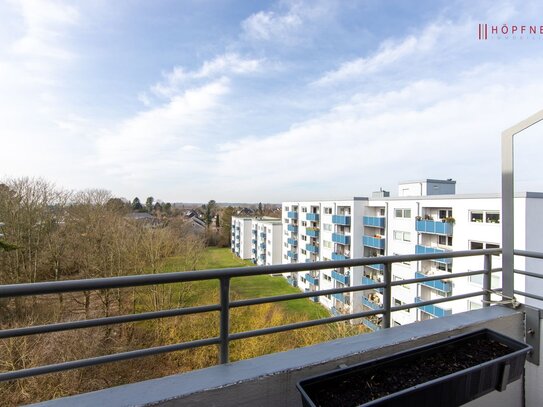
(370, 304)
(367, 323)
(292, 241)
(369, 281)
(342, 278)
(292, 215)
(379, 267)
(433, 310)
(311, 279)
(374, 221)
(375, 242)
(292, 228)
(341, 238)
(313, 232)
(292, 255)
(312, 248)
(339, 256)
(314, 217)
(439, 285)
(344, 220)
(433, 227)
(224, 277)
(262, 245)
(420, 249)
(340, 297)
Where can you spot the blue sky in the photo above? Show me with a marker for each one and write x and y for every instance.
(265, 101)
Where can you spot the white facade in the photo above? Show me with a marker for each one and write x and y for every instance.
(257, 239)
(414, 223)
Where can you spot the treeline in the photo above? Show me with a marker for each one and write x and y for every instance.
(50, 234)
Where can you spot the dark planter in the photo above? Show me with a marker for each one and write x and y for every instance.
(445, 374)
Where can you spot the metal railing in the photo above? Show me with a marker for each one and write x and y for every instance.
(225, 304)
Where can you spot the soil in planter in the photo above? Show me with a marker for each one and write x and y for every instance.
(355, 388)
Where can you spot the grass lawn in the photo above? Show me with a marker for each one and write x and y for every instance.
(252, 286)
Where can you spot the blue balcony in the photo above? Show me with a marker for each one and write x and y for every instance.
(292, 241)
(335, 312)
(379, 267)
(419, 249)
(375, 242)
(433, 310)
(338, 256)
(313, 232)
(263, 235)
(312, 248)
(341, 239)
(237, 244)
(369, 281)
(439, 285)
(262, 256)
(433, 227)
(254, 251)
(342, 278)
(292, 215)
(254, 232)
(311, 279)
(344, 220)
(292, 255)
(340, 297)
(368, 324)
(370, 304)
(292, 228)
(262, 245)
(374, 221)
(253, 241)
(312, 216)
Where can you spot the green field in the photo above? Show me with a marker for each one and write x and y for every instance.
(252, 286)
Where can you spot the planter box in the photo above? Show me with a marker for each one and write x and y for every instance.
(445, 373)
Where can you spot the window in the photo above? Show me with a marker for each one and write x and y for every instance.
(476, 216)
(304, 237)
(327, 277)
(303, 251)
(406, 263)
(327, 244)
(445, 240)
(304, 223)
(328, 211)
(285, 244)
(382, 212)
(476, 246)
(492, 217)
(402, 213)
(304, 209)
(400, 235)
(286, 208)
(327, 227)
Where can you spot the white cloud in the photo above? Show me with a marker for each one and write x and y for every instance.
(426, 129)
(267, 25)
(226, 64)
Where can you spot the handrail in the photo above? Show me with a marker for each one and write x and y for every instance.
(224, 276)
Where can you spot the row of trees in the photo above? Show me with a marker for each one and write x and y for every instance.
(151, 206)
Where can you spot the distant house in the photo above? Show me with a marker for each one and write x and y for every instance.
(144, 217)
(245, 212)
(197, 224)
(191, 213)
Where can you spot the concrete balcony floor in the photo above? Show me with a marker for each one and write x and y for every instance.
(270, 380)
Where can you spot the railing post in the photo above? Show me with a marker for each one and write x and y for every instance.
(387, 299)
(487, 280)
(225, 318)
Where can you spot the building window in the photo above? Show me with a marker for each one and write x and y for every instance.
(400, 235)
(304, 237)
(327, 277)
(445, 240)
(286, 208)
(483, 245)
(304, 209)
(327, 244)
(327, 227)
(328, 211)
(304, 223)
(485, 216)
(402, 213)
(304, 251)
(474, 305)
(492, 217)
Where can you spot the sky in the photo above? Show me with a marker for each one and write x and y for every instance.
(266, 101)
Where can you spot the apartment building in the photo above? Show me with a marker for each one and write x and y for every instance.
(257, 239)
(323, 231)
(426, 217)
